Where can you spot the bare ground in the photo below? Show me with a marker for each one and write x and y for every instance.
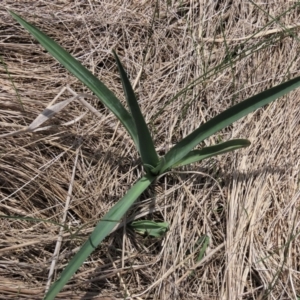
(246, 202)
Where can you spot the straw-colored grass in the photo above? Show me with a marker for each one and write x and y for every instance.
(246, 202)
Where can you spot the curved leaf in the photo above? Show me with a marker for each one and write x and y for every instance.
(105, 95)
(210, 151)
(224, 119)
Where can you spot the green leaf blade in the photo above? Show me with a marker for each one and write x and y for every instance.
(224, 119)
(152, 228)
(85, 76)
(101, 231)
(198, 155)
(146, 145)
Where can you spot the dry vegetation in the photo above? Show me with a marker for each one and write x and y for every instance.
(246, 202)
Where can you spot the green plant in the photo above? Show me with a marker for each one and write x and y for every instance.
(180, 155)
(155, 229)
(201, 243)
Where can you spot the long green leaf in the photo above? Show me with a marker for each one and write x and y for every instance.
(146, 145)
(210, 151)
(85, 76)
(102, 230)
(224, 119)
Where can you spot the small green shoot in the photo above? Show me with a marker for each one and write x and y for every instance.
(203, 241)
(12, 82)
(151, 228)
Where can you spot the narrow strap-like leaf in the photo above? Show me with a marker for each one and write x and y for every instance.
(146, 145)
(102, 230)
(105, 95)
(224, 119)
(198, 155)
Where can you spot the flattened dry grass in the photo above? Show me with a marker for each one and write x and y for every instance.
(246, 202)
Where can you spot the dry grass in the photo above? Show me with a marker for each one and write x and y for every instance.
(247, 202)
